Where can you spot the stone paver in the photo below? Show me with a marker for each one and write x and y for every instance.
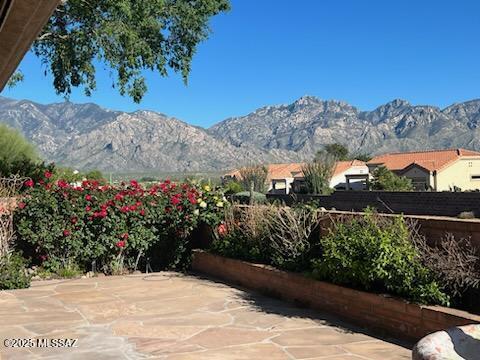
(174, 317)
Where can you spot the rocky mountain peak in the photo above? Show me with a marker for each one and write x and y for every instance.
(89, 136)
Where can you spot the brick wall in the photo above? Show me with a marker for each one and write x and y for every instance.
(414, 203)
(385, 314)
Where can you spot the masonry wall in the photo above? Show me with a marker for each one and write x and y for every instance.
(412, 203)
(379, 312)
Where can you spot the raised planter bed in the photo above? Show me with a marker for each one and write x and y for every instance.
(379, 312)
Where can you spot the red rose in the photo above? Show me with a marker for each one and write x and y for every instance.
(21, 205)
(88, 197)
(88, 208)
(120, 244)
(48, 174)
(175, 200)
(66, 232)
(124, 209)
(222, 230)
(142, 212)
(29, 183)
(119, 197)
(134, 183)
(62, 184)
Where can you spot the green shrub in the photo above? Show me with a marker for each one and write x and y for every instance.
(233, 187)
(13, 273)
(384, 179)
(244, 197)
(376, 253)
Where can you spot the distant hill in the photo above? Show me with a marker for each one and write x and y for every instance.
(87, 136)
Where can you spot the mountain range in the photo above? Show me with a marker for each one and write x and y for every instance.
(87, 136)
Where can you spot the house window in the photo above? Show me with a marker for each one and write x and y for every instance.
(470, 164)
(475, 177)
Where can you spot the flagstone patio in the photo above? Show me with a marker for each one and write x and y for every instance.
(172, 316)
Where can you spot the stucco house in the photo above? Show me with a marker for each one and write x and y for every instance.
(285, 178)
(435, 170)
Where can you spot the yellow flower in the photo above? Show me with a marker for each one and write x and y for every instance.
(207, 188)
(199, 200)
(203, 204)
(220, 204)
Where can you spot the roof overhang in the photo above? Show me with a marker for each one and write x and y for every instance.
(414, 165)
(20, 23)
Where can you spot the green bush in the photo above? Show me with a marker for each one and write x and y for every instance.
(13, 273)
(233, 187)
(376, 253)
(384, 179)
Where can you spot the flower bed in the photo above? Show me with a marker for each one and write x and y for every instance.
(379, 312)
(111, 228)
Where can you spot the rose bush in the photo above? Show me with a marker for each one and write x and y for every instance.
(111, 227)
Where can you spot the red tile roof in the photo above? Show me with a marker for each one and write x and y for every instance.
(432, 160)
(283, 171)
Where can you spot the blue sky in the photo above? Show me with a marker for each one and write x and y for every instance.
(264, 52)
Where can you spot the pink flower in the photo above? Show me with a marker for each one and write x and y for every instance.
(74, 220)
(134, 183)
(125, 236)
(29, 183)
(222, 229)
(21, 205)
(66, 232)
(88, 197)
(48, 174)
(142, 212)
(120, 244)
(88, 208)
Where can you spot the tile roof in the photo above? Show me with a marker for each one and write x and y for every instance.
(430, 160)
(282, 171)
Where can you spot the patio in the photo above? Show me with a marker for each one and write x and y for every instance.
(172, 316)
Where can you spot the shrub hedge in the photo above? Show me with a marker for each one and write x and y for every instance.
(60, 225)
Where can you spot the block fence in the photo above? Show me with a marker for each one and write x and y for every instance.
(434, 228)
(396, 202)
(378, 312)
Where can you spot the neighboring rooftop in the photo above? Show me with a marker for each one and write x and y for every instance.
(292, 170)
(431, 160)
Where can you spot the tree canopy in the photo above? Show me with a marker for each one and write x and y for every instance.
(338, 151)
(341, 153)
(128, 36)
(384, 179)
(14, 146)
